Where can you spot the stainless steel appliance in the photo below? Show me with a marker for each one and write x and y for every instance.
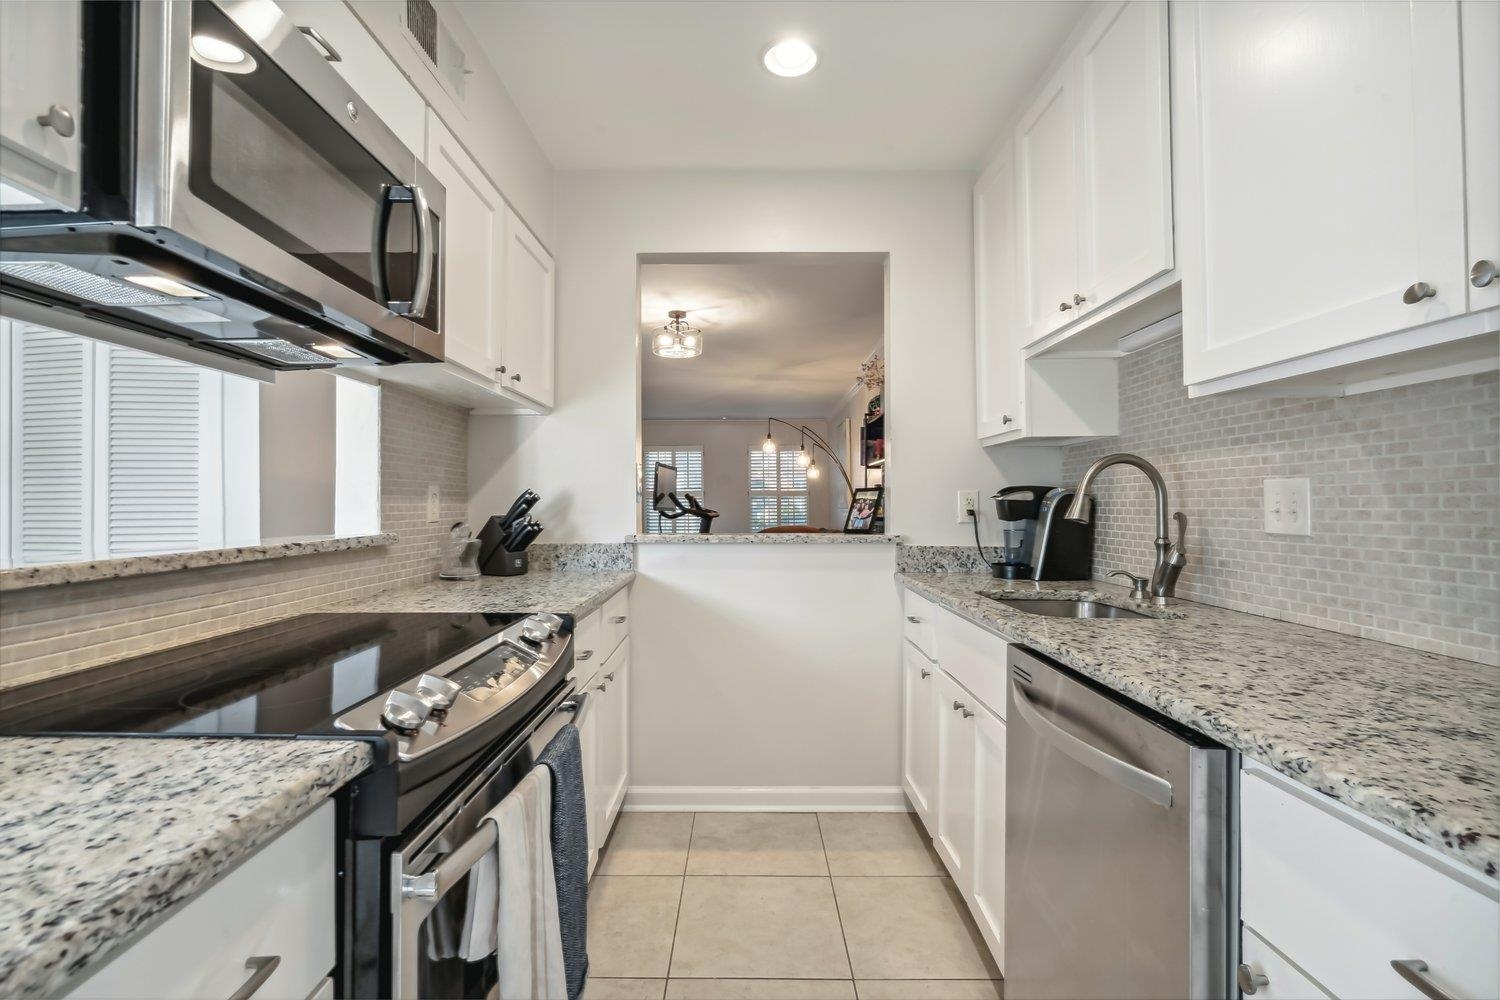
(455, 707)
(1036, 541)
(1119, 879)
(237, 195)
(1016, 506)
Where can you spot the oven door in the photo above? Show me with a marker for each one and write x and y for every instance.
(430, 873)
(250, 145)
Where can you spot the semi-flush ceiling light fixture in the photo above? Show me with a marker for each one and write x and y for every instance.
(791, 57)
(677, 339)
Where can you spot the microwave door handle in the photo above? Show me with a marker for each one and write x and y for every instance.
(424, 256)
(380, 255)
(1153, 787)
(417, 306)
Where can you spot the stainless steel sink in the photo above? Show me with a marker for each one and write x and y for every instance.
(1066, 609)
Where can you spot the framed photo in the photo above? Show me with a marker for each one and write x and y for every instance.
(863, 510)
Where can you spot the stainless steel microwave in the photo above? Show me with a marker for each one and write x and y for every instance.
(236, 194)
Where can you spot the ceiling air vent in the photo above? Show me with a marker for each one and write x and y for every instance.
(438, 44)
(422, 22)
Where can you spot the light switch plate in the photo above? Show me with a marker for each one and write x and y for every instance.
(1288, 506)
(967, 500)
(434, 503)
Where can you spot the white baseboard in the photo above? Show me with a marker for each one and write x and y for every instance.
(741, 798)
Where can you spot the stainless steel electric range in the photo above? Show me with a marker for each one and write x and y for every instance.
(455, 707)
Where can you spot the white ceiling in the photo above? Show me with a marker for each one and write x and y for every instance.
(783, 334)
(900, 84)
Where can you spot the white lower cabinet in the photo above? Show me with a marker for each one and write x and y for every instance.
(601, 657)
(1271, 975)
(919, 745)
(276, 910)
(957, 710)
(612, 757)
(987, 869)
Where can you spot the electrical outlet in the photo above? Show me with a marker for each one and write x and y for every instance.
(434, 503)
(968, 500)
(1288, 506)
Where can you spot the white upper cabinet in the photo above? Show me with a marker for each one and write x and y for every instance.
(40, 123)
(337, 34)
(999, 370)
(1125, 165)
(1094, 154)
(1480, 24)
(1322, 180)
(473, 250)
(529, 291)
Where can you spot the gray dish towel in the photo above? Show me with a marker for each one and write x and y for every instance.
(570, 852)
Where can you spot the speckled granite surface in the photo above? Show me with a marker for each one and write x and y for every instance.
(572, 593)
(777, 538)
(582, 557)
(1411, 739)
(99, 837)
(943, 559)
(113, 569)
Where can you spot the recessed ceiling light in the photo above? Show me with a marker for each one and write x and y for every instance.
(792, 57)
(222, 55)
(167, 286)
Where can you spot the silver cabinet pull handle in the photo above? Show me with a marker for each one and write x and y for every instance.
(1153, 787)
(1250, 981)
(618, 619)
(1414, 971)
(261, 967)
(1482, 273)
(329, 52)
(1078, 300)
(914, 619)
(1416, 293)
(926, 673)
(1064, 306)
(60, 120)
(585, 654)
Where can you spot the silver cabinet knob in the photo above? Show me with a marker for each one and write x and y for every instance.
(1482, 273)
(500, 370)
(1006, 418)
(609, 676)
(958, 706)
(1078, 300)
(60, 120)
(516, 377)
(601, 687)
(1416, 293)
(1249, 980)
(1063, 307)
(967, 714)
(926, 673)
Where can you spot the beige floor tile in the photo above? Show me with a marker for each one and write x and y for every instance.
(631, 922)
(756, 844)
(624, 989)
(930, 989)
(734, 927)
(877, 844)
(910, 928)
(647, 843)
(760, 989)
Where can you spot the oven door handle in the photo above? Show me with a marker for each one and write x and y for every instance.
(579, 705)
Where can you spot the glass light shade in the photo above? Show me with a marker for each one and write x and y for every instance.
(677, 339)
(769, 447)
(804, 459)
(663, 340)
(813, 472)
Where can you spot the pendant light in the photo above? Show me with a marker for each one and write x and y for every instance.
(804, 460)
(677, 339)
(769, 447)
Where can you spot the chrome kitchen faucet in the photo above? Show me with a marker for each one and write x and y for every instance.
(1171, 556)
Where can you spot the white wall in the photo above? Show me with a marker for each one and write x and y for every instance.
(726, 448)
(583, 456)
(775, 667)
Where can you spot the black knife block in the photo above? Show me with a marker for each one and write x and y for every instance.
(503, 562)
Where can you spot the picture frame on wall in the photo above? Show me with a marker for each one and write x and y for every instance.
(864, 510)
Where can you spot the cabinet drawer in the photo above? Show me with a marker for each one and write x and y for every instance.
(917, 614)
(975, 658)
(615, 622)
(1284, 981)
(588, 648)
(278, 903)
(1335, 894)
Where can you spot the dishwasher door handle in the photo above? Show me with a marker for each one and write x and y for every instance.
(1153, 787)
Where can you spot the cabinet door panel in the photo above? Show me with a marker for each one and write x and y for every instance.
(955, 836)
(1481, 45)
(920, 737)
(989, 831)
(999, 333)
(1322, 174)
(612, 761)
(529, 290)
(1046, 145)
(1125, 236)
(473, 241)
(40, 61)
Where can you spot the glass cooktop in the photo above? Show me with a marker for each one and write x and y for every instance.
(288, 678)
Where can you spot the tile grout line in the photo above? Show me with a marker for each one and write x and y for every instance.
(838, 913)
(677, 920)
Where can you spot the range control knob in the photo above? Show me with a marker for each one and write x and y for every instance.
(405, 712)
(535, 632)
(554, 622)
(438, 692)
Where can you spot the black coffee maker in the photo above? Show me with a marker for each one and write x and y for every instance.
(1037, 542)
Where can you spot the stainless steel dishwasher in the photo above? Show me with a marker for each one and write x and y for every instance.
(1118, 855)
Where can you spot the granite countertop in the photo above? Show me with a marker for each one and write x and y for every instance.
(763, 538)
(1408, 738)
(569, 592)
(102, 837)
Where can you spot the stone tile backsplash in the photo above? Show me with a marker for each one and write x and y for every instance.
(1405, 544)
(53, 630)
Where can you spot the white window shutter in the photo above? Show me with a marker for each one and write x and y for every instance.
(48, 389)
(152, 480)
(689, 462)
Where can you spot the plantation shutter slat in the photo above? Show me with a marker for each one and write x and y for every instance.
(51, 453)
(689, 463)
(153, 454)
